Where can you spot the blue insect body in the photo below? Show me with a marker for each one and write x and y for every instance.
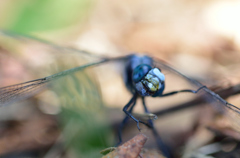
(142, 77)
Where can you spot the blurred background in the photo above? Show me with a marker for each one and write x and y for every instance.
(199, 38)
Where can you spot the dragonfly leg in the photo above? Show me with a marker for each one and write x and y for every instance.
(185, 90)
(162, 146)
(125, 109)
(124, 122)
(131, 104)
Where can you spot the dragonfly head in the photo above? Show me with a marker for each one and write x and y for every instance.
(148, 80)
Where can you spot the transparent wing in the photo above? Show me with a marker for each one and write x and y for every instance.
(41, 58)
(19, 91)
(219, 103)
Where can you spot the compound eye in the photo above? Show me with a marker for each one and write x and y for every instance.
(139, 72)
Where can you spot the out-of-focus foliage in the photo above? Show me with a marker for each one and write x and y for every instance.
(83, 115)
(26, 16)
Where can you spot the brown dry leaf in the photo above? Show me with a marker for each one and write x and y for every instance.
(133, 149)
(130, 149)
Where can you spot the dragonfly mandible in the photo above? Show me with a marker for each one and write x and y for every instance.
(143, 77)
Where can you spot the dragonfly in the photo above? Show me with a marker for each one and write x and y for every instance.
(143, 76)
